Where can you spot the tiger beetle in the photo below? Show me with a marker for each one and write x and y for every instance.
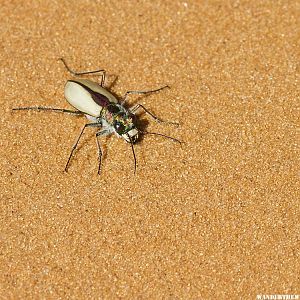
(103, 110)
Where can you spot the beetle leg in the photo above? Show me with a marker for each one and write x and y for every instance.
(158, 120)
(133, 152)
(86, 72)
(100, 133)
(77, 141)
(62, 110)
(141, 93)
(136, 107)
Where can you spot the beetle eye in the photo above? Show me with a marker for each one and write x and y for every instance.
(114, 109)
(119, 127)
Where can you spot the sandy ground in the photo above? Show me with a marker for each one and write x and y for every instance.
(215, 218)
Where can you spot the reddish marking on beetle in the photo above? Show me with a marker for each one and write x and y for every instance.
(97, 97)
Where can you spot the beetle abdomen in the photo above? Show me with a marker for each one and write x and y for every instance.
(87, 96)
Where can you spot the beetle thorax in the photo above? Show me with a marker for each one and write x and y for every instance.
(120, 120)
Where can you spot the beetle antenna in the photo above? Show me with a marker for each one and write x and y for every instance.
(160, 134)
(132, 148)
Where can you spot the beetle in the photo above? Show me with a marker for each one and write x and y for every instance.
(103, 110)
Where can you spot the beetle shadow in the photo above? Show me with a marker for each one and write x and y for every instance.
(141, 125)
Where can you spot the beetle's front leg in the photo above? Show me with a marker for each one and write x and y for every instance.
(158, 120)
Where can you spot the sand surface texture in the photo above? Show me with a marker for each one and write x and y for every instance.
(215, 218)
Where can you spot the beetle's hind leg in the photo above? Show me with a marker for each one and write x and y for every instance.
(102, 81)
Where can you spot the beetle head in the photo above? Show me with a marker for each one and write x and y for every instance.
(125, 128)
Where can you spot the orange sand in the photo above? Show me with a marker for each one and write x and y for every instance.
(217, 218)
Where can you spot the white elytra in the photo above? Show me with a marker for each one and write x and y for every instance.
(81, 99)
